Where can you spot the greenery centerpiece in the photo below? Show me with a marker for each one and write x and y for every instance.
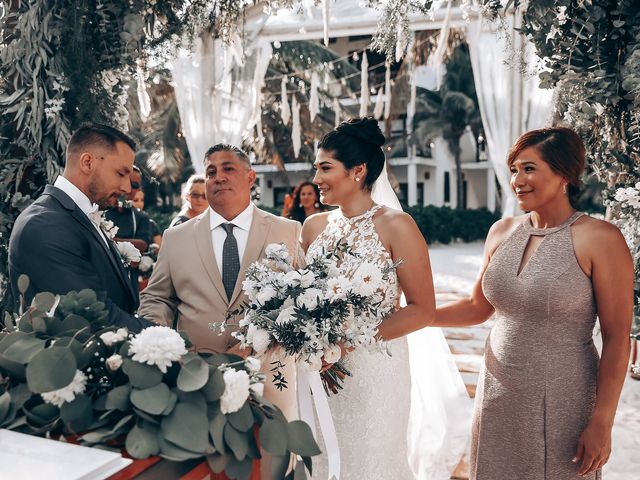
(65, 372)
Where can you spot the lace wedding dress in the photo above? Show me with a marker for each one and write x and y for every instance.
(371, 413)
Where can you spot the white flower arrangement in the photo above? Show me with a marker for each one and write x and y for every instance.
(114, 362)
(109, 338)
(307, 311)
(159, 346)
(128, 253)
(146, 264)
(67, 394)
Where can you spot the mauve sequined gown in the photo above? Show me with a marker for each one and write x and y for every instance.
(537, 389)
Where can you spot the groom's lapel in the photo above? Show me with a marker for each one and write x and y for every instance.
(260, 226)
(204, 245)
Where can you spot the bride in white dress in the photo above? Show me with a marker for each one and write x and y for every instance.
(382, 435)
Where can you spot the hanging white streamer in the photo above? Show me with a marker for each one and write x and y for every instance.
(336, 110)
(411, 106)
(401, 42)
(364, 85)
(311, 394)
(443, 37)
(143, 95)
(326, 12)
(295, 131)
(387, 91)
(285, 111)
(379, 109)
(313, 98)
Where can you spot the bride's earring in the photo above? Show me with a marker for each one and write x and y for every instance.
(564, 188)
(357, 179)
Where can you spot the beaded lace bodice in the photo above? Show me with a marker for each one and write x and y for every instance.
(360, 234)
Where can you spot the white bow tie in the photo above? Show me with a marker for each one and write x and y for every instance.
(95, 215)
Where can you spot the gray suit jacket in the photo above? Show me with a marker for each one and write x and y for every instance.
(186, 279)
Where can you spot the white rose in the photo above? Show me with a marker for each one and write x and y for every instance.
(260, 341)
(249, 287)
(236, 390)
(309, 299)
(265, 294)
(146, 264)
(337, 288)
(257, 388)
(109, 338)
(367, 279)
(285, 315)
(128, 252)
(114, 362)
(291, 278)
(332, 354)
(253, 364)
(307, 279)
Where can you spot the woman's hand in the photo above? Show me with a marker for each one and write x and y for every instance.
(594, 448)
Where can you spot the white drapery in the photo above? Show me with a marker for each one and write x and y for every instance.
(511, 102)
(218, 89)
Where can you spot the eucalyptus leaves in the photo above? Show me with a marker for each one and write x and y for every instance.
(63, 371)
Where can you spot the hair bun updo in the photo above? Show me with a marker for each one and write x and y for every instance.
(366, 129)
(355, 142)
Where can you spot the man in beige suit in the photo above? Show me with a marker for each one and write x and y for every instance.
(202, 263)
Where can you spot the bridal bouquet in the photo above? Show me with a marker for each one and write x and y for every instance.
(311, 311)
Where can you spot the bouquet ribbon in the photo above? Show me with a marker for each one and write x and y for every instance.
(311, 394)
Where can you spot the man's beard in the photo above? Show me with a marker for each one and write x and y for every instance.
(103, 201)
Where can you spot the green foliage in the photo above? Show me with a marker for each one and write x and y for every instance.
(445, 225)
(176, 414)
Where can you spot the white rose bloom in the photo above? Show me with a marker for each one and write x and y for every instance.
(236, 390)
(68, 393)
(265, 294)
(337, 288)
(309, 299)
(114, 362)
(253, 364)
(128, 253)
(249, 287)
(158, 346)
(307, 279)
(285, 315)
(257, 388)
(260, 341)
(291, 278)
(277, 251)
(312, 364)
(332, 354)
(109, 338)
(146, 264)
(367, 279)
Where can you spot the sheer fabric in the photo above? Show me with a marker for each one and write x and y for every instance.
(440, 416)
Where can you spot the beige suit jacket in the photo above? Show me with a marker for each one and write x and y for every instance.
(186, 279)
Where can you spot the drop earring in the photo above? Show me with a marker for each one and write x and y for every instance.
(564, 188)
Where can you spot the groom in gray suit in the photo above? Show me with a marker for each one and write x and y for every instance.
(199, 273)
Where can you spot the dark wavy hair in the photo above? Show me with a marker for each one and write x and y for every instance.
(561, 148)
(357, 141)
(297, 210)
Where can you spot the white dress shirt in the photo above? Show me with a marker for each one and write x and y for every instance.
(241, 231)
(80, 199)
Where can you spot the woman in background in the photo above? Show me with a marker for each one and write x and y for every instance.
(306, 202)
(194, 200)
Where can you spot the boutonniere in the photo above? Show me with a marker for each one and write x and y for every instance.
(107, 226)
(129, 254)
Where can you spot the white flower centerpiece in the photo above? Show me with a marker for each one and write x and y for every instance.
(67, 372)
(312, 311)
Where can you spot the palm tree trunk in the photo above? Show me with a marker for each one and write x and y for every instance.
(459, 180)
